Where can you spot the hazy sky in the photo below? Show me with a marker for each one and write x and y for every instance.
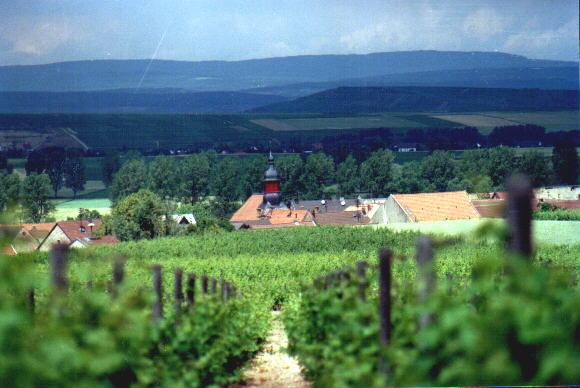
(42, 31)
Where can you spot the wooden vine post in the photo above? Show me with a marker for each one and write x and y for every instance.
(158, 289)
(213, 286)
(58, 267)
(178, 290)
(190, 292)
(204, 282)
(426, 283)
(519, 215)
(385, 296)
(118, 274)
(361, 274)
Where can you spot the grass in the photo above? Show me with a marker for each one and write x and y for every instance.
(70, 209)
(546, 232)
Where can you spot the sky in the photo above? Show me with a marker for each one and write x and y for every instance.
(46, 31)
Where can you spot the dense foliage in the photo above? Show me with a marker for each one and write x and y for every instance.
(501, 321)
(94, 337)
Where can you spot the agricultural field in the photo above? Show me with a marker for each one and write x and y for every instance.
(486, 121)
(70, 209)
(385, 120)
(269, 268)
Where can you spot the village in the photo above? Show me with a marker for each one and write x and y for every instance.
(269, 209)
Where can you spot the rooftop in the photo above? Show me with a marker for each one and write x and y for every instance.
(437, 206)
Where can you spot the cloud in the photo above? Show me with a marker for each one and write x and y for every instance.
(540, 40)
(484, 23)
(37, 37)
(426, 28)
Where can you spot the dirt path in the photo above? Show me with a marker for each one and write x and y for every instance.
(273, 367)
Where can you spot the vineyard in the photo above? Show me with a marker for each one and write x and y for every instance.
(485, 317)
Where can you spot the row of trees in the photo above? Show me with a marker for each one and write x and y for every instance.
(65, 168)
(314, 176)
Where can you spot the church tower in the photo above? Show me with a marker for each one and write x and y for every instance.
(272, 192)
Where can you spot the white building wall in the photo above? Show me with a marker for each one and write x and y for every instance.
(394, 213)
(560, 192)
(55, 237)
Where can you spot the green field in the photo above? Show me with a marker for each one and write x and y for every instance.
(549, 232)
(70, 209)
(486, 121)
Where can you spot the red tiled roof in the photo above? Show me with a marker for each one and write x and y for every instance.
(72, 229)
(105, 240)
(249, 210)
(437, 206)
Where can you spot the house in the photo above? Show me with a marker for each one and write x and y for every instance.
(25, 237)
(407, 147)
(75, 234)
(425, 207)
(182, 219)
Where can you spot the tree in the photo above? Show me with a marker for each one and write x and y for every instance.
(290, 169)
(438, 169)
(137, 216)
(4, 166)
(226, 180)
(131, 178)
(74, 175)
(10, 193)
(318, 172)
(377, 173)
(254, 175)
(347, 176)
(536, 167)
(110, 164)
(164, 177)
(35, 194)
(565, 162)
(196, 172)
(51, 161)
(409, 179)
(502, 163)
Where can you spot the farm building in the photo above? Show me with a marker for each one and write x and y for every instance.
(569, 193)
(426, 207)
(75, 234)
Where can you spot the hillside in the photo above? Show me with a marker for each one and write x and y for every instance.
(255, 73)
(132, 101)
(350, 100)
(565, 77)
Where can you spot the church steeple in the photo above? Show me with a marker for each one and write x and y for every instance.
(272, 192)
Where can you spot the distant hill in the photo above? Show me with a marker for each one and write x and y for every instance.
(350, 100)
(258, 73)
(561, 77)
(132, 101)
